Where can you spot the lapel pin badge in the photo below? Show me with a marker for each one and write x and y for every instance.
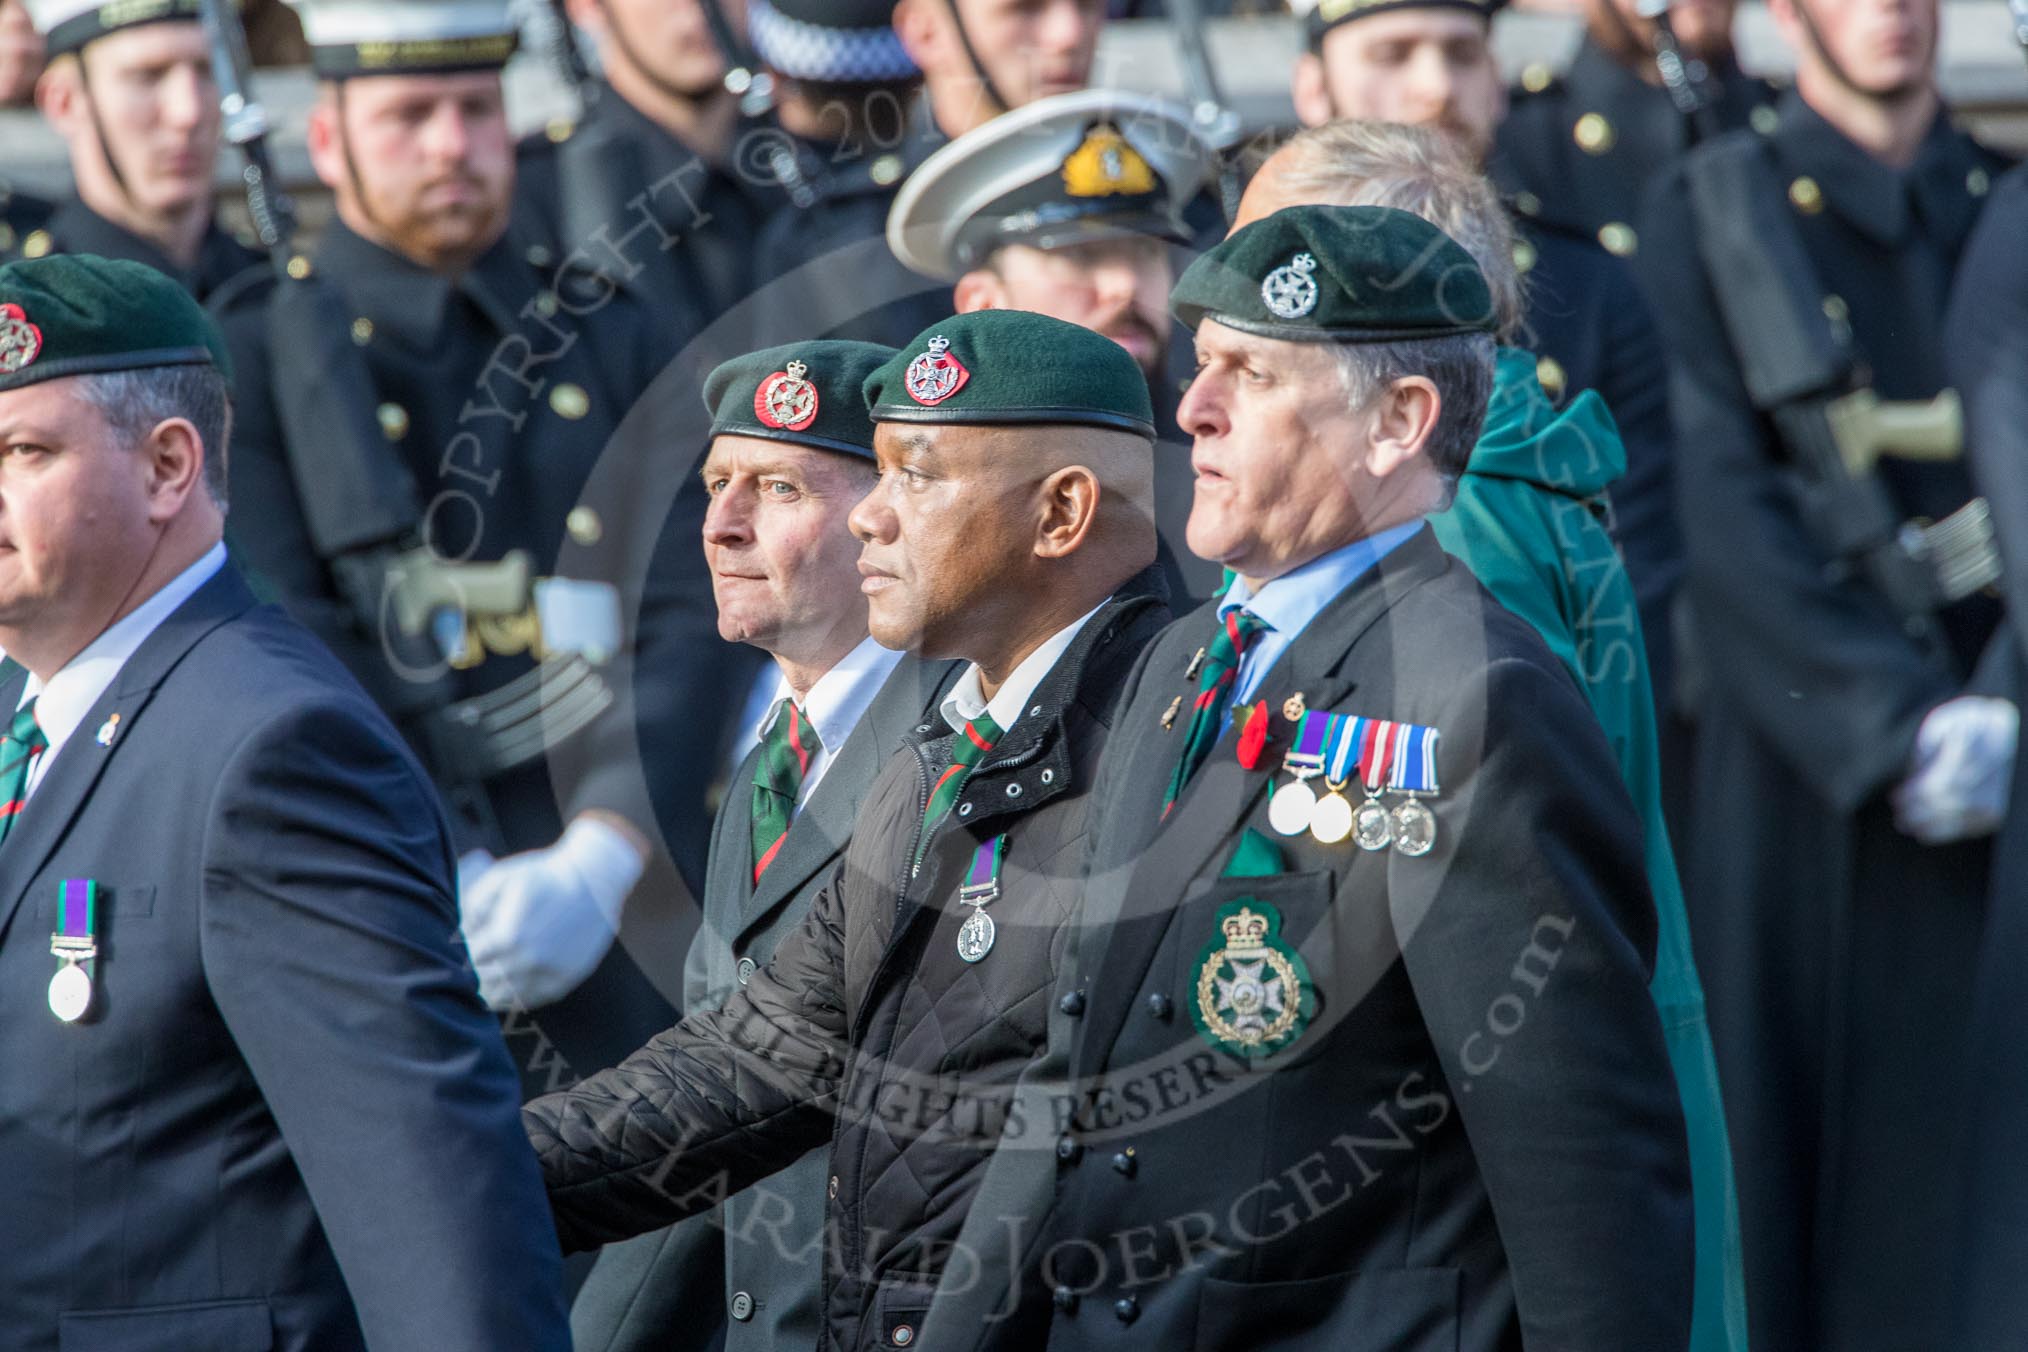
(109, 730)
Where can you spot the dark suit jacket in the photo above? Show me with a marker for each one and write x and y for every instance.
(1987, 332)
(287, 1121)
(682, 1287)
(1475, 1144)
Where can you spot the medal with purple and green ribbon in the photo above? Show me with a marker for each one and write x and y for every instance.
(75, 945)
(1291, 805)
(979, 890)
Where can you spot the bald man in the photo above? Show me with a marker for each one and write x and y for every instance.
(1011, 527)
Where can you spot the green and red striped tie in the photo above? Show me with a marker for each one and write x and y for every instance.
(18, 749)
(787, 750)
(1214, 694)
(967, 750)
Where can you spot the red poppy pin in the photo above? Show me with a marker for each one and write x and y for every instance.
(1253, 735)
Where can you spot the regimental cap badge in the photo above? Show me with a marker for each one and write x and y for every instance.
(786, 400)
(20, 341)
(1290, 291)
(1105, 165)
(935, 375)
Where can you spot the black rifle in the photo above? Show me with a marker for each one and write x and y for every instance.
(359, 499)
(1801, 370)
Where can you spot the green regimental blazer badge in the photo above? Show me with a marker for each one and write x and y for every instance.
(1253, 992)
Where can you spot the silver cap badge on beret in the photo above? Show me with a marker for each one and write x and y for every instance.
(1290, 292)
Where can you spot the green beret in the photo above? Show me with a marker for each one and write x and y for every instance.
(1012, 367)
(1329, 14)
(807, 393)
(1338, 275)
(79, 314)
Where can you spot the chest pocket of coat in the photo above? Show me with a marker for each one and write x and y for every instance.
(115, 899)
(1252, 960)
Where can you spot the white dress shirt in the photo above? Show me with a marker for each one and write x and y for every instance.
(70, 694)
(967, 699)
(1291, 601)
(835, 704)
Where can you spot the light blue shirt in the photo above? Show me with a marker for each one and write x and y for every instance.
(1291, 601)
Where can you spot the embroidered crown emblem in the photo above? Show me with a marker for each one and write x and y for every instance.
(1246, 931)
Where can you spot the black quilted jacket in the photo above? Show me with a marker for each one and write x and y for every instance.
(868, 1027)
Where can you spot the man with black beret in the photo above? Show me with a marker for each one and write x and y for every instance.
(1010, 529)
(251, 1090)
(791, 456)
(1353, 1046)
(129, 89)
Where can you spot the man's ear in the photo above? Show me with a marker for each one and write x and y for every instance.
(921, 30)
(979, 289)
(1069, 500)
(1403, 417)
(1312, 91)
(173, 455)
(323, 138)
(59, 96)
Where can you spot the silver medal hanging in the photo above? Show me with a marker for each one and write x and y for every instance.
(75, 948)
(980, 889)
(1372, 827)
(976, 935)
(1292, 806)
(1414, 828)
(70, 992)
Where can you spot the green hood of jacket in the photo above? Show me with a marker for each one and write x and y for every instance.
(1575, 450)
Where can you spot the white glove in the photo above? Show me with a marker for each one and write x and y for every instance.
(1963, 768)
(537, 923)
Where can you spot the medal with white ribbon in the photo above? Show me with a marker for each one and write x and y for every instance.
(1291, 805)
(75, 945)
(1414, 777)
(1336, 817)
(979, 890)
